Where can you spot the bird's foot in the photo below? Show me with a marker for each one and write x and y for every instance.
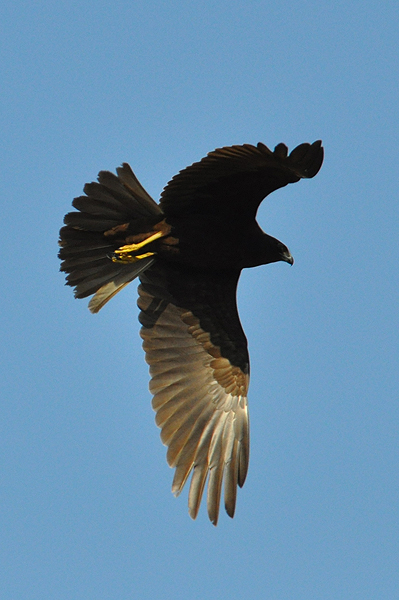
(126, 254)
(126, 257)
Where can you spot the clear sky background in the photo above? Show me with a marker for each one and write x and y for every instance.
(86, 508)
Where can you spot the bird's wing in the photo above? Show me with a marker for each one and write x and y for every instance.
(238, 178)
(199, 365)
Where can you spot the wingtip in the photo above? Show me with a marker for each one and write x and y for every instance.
(306, 159)
(318, 152)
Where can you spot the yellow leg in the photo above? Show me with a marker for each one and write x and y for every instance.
(134, 247)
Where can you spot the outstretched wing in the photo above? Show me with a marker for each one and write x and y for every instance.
(237, 178)
(198, 358)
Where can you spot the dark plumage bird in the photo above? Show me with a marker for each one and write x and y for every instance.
(188, 251)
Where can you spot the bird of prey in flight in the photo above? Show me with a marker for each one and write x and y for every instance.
(188, 252)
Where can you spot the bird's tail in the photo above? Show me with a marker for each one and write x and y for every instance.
(115, 212)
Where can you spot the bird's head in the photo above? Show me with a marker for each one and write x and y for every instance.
(274, 251)
(284, 254)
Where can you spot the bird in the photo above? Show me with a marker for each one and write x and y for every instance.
(188, 251)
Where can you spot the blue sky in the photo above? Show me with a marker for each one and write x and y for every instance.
(87, 511)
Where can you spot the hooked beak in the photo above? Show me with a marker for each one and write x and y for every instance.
(287, 257)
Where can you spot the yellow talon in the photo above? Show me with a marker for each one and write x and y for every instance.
(126, 258)
(145, 255)
(135, 247)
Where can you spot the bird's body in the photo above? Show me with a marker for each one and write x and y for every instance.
(188, 251)
(228, 245)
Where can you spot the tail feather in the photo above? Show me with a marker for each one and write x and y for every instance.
(93, 206)
(92, 233)
(90, 222)
(130, 181)
(108, 291)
